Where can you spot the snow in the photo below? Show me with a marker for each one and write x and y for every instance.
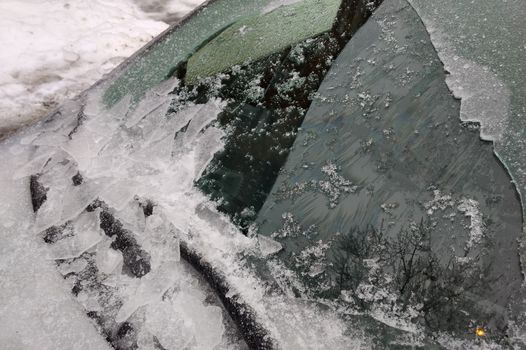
(335, 185)
(439, 202)
(54, 49)
(169, 11)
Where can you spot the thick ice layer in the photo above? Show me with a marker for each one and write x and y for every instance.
(150, 160)
(112, 162)
(36, 308)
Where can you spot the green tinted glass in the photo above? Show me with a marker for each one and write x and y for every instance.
(253, 38)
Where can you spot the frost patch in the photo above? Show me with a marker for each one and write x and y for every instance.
(291, 228)
(334, 186)
(471, 209)
(439, 202)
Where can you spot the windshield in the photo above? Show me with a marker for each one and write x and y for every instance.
(293, 174)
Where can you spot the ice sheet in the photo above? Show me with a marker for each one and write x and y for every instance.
(73, 180)
(481, 44)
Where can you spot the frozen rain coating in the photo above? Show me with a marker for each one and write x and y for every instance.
(399, 155)
(99, 142)
(483, 45)
(102, 214)
(126, 157)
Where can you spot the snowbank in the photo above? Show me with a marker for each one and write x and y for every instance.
(54, 49)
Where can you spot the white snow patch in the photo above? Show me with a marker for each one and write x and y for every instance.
(54, 49)
(439, 202)
(471, 209)
(169, 11)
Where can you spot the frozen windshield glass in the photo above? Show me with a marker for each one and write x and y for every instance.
(290, 175)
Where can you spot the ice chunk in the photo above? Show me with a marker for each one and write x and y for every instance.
(89, 300)
(132, 217)
(77, 198)
(84, 147)
(56, 129)
(204, 116)
(74, 266)
(35, 164)
(153, 100)
(64, 200)
(151, 288)
(145, 107)
(86, 143)
(119, 193)
(165, 87)
(108, 259)
(161, 239)
(157, 152)
(192, 323)
(151, 107)
(119, 110)
(50, 212)
(205, 150)
(86, 234)
(207, 213)
(268, 246)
